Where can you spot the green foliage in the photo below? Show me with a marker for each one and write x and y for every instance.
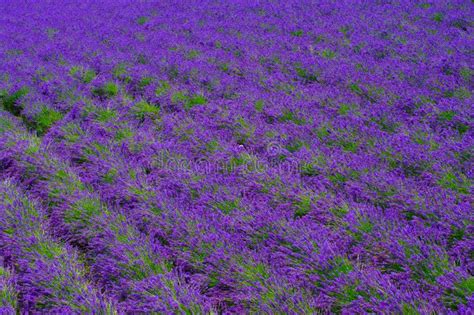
(461, 128)
(142, 20)
(459, 293)
(120, 73)
(297, 33)
(193, 54)
(8, 295)
(341, 211)
(338, 266)
(109, 89)
(365, 227)
(10, 101)
(241, 160)
(72, 132)
(462, 93)
(88, 76)
(386, 124)
(109, 177)
(75, 70)
(123, 133)
(466, 73)
(447, 115)
(337, 178)
(212, 146)
(162, 88)
(345, 30)
(259, 105)
(144, 109)
(348, 145)
(302, 206)
(179, 97)
(308, 169)
(142, 265)
(294, 146)
(328, 54)
(290, 116)
(227, 206)
(355, 88)
(438, 17)
(408, 309)
(45, 119)
(144, 82)
(83, 211)
(344, 109)
(323, 131)
(213, 279)
(188, 101)
(5, 124)
(307, 75)
(47, 249)
(457, 184)
(197, 99)
(105, 115)
(254, 273)
(243, 130)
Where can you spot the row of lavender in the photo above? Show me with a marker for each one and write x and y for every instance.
(240, 157)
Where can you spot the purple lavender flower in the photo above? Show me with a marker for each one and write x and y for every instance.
(240, 157)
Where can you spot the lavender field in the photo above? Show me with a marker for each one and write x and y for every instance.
(236, 157)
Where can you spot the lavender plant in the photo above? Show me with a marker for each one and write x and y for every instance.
(237, 157)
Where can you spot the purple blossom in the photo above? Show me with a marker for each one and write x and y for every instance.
(237, 157)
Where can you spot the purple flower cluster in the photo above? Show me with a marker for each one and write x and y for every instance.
(246, 157)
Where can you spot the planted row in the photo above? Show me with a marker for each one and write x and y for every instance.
(49, 275)
(119, 257)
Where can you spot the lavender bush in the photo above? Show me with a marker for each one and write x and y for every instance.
(241, 157)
